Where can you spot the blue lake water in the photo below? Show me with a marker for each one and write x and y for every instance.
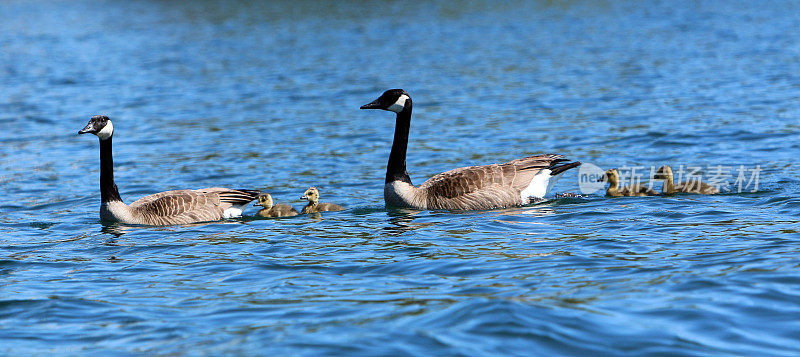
(265, 95)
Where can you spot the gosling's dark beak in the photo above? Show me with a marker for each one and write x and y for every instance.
(257, 204)
(303, 197)
(89, 129)
(376, 104)
(602, 179)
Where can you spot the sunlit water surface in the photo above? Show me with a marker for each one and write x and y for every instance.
(266, 96)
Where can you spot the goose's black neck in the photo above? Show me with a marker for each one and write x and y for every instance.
(396, 169)
(108, 189)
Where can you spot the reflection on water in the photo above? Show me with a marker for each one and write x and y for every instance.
(400, 221)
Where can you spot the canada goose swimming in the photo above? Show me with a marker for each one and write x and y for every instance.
(612, 177)
(691, 186)
(270, 210)
(164, 208)
(513, 183)
(313, 206)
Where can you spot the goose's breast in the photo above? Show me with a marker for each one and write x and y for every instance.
(403, 194)
(117, 211)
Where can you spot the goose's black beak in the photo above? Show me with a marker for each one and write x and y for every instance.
(376, 104)
(89, 129)
(256, 204)
(303, 197)
(602, 179)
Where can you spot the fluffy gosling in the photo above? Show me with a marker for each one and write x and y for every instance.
(272, 210)
(313, 206)
(692, 186)
(612, 177)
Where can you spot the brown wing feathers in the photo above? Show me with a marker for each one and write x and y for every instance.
(186, 206)
(496, 184)
(181, 202)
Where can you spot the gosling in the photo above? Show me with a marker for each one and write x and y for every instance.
(691, 186)
(313, 206)
(612, 177)
(270, 210)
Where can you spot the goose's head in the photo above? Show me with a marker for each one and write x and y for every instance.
(611, 176)
(663, 173)
(99, 125)
(312, 195)
(264, 200)
(393, 100)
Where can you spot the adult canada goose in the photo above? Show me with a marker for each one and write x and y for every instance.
(164, 208)
(691, 186)
(612, 177)
(313, 206)
(270, 210)
(513, 183)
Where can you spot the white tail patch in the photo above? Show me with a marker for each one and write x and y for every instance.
(553, 180)
(539, 186)
(398, 106)
(234, 211)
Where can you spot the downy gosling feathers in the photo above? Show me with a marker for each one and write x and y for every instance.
(314, 206)
(272, 210)
(691, 186)
(612, 177)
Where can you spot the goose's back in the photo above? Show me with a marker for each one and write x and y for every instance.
(187, 206)
(486, 186)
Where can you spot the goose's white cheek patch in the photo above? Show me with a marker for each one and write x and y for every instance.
(398, 106)
(106, 132)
